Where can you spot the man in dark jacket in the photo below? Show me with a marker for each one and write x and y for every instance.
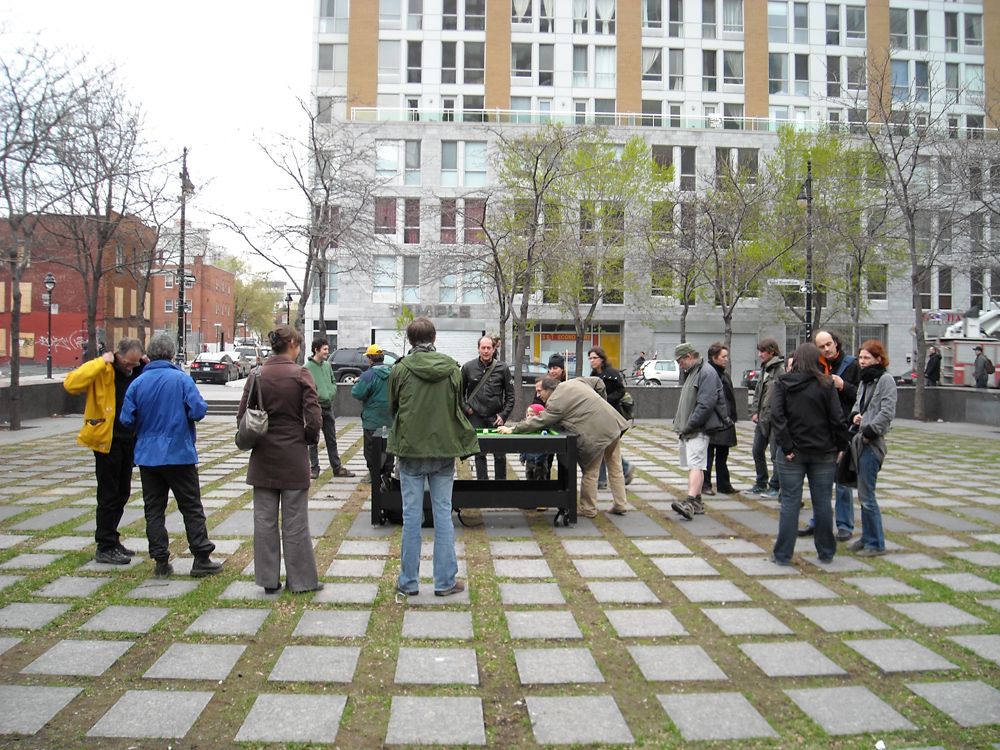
(372, 390)
(843, 369)
(771, 366)
(701, 409)
(982, 368)
(488, 389)
(932, 372)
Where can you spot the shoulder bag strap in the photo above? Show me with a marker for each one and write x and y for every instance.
(482, 380)
(256, 388)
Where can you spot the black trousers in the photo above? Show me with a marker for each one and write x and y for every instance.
(499, 459)
(114, 485)
(719, 454)
(379, 464)
(182, 480)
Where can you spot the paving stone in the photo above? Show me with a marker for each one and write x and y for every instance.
(848, 710)
(793, 589)
(936, 614)
(368, 548)
(603, 569)
(316, 664)
(516, 568)
(247, 590)
(701, 526)
(156, 714)
(588, 548)
(839, 564)
(715, 716)
(947, 521)
(675, 663)
(733, 547)
(129, 517)
(893, 655)
(963, 582)
(438, 625)
(584, 527)
(67, 543)
(346, 593)
(426, 598)
(515, 549)
(356, 569)
(79, 658)
(93, 566)
(683, 566)
(506, 523)
(746, 621)
(333, 624)
(437, 666)
(984, 646)
(436, 721)
(293, 718)
(712, 591)
(6, 644)
(968, 703)
(10, 540)
(661, 547)
(790, 659)
(8, 581)
(238, 523)
(981, 558)
(195, 661)
(229, 621)
(30, 616)
(644, 623)
(840, 618)
(762, 523)
(30, 561)
(49, 519)
(761, 566)
(542, 624)
(622, 592)
(637, 524)
(556, 666)
(157, 588)
(122, 619)
(72, 587)
(914, 561)
(591, 719)
(531, 593)
(28, 708)
(938, 541)
(882, 586)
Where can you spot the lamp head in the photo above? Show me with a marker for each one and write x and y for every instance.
(49, 282)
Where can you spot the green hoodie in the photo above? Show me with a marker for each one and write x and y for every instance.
(425, 398)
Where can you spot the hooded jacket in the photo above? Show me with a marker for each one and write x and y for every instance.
(806, 415)
(97, 379)
(761, 406)
(425, 400)
(702, 405)
(372, 390)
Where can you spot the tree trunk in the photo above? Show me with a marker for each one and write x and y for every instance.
(918, 327)
(15, 346)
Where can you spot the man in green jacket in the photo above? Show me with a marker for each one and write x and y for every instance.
(429, 430)
(372, 390)
(326, 389)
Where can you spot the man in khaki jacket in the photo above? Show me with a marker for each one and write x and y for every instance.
(580, 407)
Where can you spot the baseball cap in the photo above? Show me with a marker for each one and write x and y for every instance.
(373, 351)
(977, 348)
(683, 349)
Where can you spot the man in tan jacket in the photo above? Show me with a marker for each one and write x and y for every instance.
(580, 407)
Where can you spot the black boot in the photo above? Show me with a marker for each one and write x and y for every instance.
(163, 569)
(204, 566)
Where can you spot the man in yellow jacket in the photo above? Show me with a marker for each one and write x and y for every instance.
(105, 380)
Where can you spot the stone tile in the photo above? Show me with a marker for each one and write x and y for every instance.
(969, 703)
(661, 547)
(882, 586)
(715, 716)
(346, 593)
(28, 708)
(792, 589)
(129, 517)
(556, 666)
(938, 541)
(93, 566)
(439, 625)
(603, 569)
(892, 655)
(436, 721)
(155, 714)
(984, 559)
(437, 666)
(71, 587)
(841, 618)
(589, 548)
(356, 569)
(366, 548)
(701, 526)
(947, 521)
(340, 623)
(426, 597)
(622, 592)
(683, 566)
(515, 549)
(936, 614)
(121, 619)
(761, 566)
(637, 524)
(733, 547)
(517, 568)
(984, 646)
(229, 621)
(590, 719)
(584, 527)
(746, 621)
(914, 561)
(712, 591)
(790, 659)
(9, 540)
(240, 523)
(8, 581)
(246, 590)
(675, 663)
(49, 519)
(531, 593)
(848, 710)
(316, 664)
(542, 624)
(966, 582)
(293, 718)
(79, 658)
(839, 564)
(644, 623)
(195, 661)
(30, 561)
(30, 616)
(6, 644)
(156, 588)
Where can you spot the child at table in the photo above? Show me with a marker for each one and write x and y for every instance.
(536, 465)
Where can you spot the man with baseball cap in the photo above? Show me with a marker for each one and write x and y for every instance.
(982, 368)
(372, 390)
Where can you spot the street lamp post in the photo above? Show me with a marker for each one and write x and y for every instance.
(288, 308)
(187, 188)
(50, 284)
(805, 198)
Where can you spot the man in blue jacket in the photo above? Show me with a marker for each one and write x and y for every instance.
(162, 406)
(372, 390)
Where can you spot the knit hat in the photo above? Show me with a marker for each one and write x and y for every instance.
(683, 349)
(537, 408)
(374, 351)
(557, 360)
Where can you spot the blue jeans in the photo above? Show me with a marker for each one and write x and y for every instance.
(843, 509)
(602, 477)
(445, 563)
(872, 536)
(820, 468)
(761, 447)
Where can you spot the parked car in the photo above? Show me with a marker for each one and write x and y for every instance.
(750, 378)
(348, 363)
(659, 372)
(252, 354)
(217, 367)
(906, 378)
(242, 363)
(532, 372)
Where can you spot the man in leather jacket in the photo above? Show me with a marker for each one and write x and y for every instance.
(488, 391)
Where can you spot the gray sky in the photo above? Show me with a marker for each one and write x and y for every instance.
(211, 75)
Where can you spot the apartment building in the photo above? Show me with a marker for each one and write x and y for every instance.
(432, 80)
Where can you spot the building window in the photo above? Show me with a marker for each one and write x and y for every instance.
(676, 18)
(920, 29)
(388, 62)
(944, 288)
(474, 65)
(921, 81)
(652, 113)
(411, 278)
(604, 111)
(546, 64)
(673, 115)
(168, 281)
(581, 76)
(802, 75)
(652, 14)
(973, 30)
(332, 64)
(448, 214)
(855, 17)
(708, 19)
(801, 20)
(389, 13)
(732, 16)
(475, 15)
(168, 305)
(976, 287)
(974, 84)
(581, 17)
(899, 28)
(449, 15)
(472, 288)
(414, 56)
(924, 287)
(676, 60)
(520, 60)
(652, 64)
(833, 75)
(475, 218)
(448, 62)
(688, 167)
(777, 21)
(475, 164)
(324, 109)
(900, 79)
(604, 67)
(448, 289)
(951, 32)
(732, 68)
(605, 17)
(709, 74)
(777, 73)
(833, 24)
(856, 74)
(748, 161)
(385, 216)
(384, 279)
(411, 221)
(334, 16)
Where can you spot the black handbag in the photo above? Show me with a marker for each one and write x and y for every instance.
(846, 474)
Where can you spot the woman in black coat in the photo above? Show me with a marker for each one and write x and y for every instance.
(614, 387)
(720, 442)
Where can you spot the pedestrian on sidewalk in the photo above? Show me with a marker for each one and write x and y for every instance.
(721, 441)
(771, 366)
(614, 387)
(162, 405)
(105, 379)
(326, 390)
(372, 390)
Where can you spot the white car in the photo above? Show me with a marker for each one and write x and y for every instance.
(660, 372)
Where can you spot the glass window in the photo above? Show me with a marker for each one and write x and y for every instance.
(777, 73)
(475, 163)
(732, 116)
(449, 15)
(877, 282)
(333, 59)
(676, 22)
(520, 11)
(921, 81)
(389, 14)
(604, 67)
(973, 30)
(732, 16)
(475, 15)
(334, 16)
(580, 76)
(974, 82)
(605, 17)
(899, 28)
(708, 19)
(324, 109)
(474, 66)
(944, 288)
(388, 62)
(652, 14)
(856, 74)
(386, 159)
(385, 216)
(581, 9)
(448, 62)
(652, 64)
(709, 75)
(520, 60)
(952, 82)
(472, 108)
(900, 79)
(833, 75)
(833, 24)
(448, 214)
(604, 110)
(652, 113)
(168, 304)
(951, 32)
(732, 68)
(411, 221)
(449, 163)
(411, 278)
(545, 64)
(414, 16)
(448, 289)
(475, 218)
(519, 104)
(676, 59)
(384, 279)
(472, 288)
(855, 22)
(411, 174)
(413, 64)
(802, 75)
(801, 11)
(920, 29)
(777, 21)
(688, 166)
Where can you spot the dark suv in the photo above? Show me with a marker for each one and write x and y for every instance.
(347, 364)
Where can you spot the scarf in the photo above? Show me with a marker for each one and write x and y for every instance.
(872, 373)
(422, 348)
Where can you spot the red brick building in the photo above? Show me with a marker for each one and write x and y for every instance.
(211, 320)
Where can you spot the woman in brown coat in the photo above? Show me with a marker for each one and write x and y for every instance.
(279, 467)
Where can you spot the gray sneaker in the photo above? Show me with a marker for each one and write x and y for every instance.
(697, 506)
(683, 508)
(769, 494)
(755, 490)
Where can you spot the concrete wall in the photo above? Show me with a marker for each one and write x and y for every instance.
(953, 404)
(39, 400)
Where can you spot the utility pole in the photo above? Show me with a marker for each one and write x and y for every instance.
(187, 188)
(806, 196)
